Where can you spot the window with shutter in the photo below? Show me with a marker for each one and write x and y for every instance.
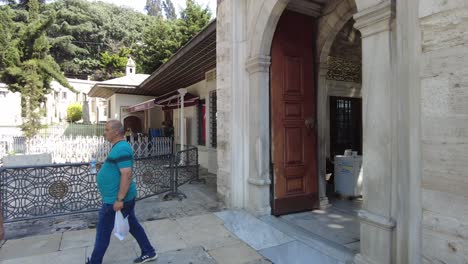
(213, 129)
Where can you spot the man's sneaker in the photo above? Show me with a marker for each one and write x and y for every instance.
(146, 258)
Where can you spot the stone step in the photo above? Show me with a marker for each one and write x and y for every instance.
(203, 170)
(340, 252)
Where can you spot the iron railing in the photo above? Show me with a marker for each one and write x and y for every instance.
(186, 170)
(53, 190)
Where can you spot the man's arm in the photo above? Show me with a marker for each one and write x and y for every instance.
(125, 180)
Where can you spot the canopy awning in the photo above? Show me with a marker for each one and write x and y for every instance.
(172, 100)
(187, 66)
(167, 102)
(146, 105)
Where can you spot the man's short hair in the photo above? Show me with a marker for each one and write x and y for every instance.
(116, 125)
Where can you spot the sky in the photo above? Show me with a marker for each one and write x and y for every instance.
(178, 4)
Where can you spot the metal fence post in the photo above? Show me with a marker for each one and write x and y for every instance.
(174, 193)
(2, 230)
(196, 178)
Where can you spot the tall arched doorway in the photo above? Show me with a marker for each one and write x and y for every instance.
(375, 23)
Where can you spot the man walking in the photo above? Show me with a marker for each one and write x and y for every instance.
(118, 192)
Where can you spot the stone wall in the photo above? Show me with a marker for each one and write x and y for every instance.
(444, 92)
(223, 90)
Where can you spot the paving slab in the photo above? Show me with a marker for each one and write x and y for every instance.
(164, 235)
(296, 252)
(30, 246)
(239, 253)
(199, 221)
(118, 251)
(166, 243)
(78, 239)
(161, 227)
(195, 255)
(70, 256)
(209, 237)
(257, 234)
(259, 261)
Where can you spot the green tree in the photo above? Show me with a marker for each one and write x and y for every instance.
(83, 30)
(154, 8)
(74, 112)
(112, 64)
(169, 10)
(192, 20)
(29, 68)
(164, 37)
(160, 41)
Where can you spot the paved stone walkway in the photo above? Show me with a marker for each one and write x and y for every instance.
(196, 230)
(200, 239)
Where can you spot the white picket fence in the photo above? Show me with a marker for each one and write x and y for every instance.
(80, 148)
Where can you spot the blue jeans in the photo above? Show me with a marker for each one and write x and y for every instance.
(106, 225)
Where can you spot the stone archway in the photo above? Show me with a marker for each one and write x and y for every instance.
(374, 20)
(258, 68)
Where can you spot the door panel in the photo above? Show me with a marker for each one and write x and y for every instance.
(293, 116)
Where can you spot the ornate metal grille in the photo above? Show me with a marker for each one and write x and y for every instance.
(187, 165)
(213, 119)
(52, 190)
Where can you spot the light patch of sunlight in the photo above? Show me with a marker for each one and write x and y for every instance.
(335, 226)
(335, 216)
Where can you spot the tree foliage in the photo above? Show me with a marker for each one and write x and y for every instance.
(154, 8)
(112, 64)
(74, 112)
(169, 9)
(164, 37)
(84, 30)
(28, 67)
(193, 19)
(40, 40)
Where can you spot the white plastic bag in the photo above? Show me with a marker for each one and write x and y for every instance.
(121, 227)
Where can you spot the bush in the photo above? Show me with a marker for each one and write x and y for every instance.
(74, 112)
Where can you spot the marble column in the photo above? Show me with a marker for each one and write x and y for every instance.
(322, 122)
(259, 131)
(377, 224)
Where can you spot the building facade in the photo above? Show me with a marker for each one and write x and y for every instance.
(276, 61)
(57, 102)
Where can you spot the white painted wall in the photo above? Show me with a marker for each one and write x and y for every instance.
(207, 154)
(121, 101)
(11, 107)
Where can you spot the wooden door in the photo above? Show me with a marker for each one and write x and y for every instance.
(293, 115)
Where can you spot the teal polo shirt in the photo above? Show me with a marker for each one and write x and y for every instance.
(108, 177)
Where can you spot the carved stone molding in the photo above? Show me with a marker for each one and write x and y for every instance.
(258, 64)
(376, 220)
(375, 19)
